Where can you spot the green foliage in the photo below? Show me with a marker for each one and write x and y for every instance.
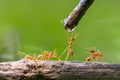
(38, 23)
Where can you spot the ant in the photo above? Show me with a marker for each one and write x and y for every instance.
(48, 55)
(95, 54)
(69, 47)
(45, 55)
(29, 57)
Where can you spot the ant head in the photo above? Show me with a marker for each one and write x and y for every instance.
(92, 51)
(88, 59)
(72, 38)
(100, 55)
(47, 53)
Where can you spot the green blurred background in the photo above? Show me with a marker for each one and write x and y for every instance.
(32, 26)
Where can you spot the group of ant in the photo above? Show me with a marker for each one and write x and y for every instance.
(47, 55)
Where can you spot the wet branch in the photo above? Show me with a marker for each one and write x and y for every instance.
(75, 16)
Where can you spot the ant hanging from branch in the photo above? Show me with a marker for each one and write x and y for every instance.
(69, 49)
(95, 54)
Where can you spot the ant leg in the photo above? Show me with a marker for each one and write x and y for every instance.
(74, 57)
(67, 57)
(64, 51)
(96, 58)
(67, 36)
(67, 46)
(34, 55)
(102, 59)
(21, 53)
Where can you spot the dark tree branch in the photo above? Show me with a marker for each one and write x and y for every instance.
(72, 20)
(58, 70)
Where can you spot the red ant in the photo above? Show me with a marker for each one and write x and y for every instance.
(95, 54)
(45, 55)
(69, 47)
(29, 57)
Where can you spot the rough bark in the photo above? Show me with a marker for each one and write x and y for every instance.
(74, 17)
(58, 70)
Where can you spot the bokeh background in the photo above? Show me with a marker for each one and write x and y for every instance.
(33, 26)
